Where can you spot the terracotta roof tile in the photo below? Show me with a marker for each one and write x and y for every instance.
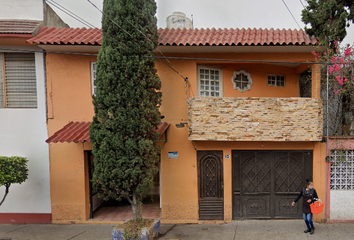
(79, 132)
(71, 36)
(161, 128)
(18, 26)
(227, 37)
(184, 37)
(72, 132)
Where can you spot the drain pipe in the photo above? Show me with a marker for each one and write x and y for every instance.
(327, 112)
(327, 150)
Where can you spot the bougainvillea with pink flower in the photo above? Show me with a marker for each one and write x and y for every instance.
(340, 67)
(338, 61)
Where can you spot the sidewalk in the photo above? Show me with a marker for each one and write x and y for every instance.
(260, 230)
(55, 232)
(245, 230)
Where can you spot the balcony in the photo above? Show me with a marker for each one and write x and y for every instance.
(255, 119)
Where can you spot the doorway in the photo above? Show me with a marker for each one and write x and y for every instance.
(211, 189)
(113, 210)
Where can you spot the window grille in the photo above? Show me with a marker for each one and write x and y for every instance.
(342, 170)
(242, 80)
(276, 80)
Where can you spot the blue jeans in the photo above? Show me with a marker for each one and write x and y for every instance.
(308, 220)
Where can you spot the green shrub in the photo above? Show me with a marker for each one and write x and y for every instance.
(12, 170)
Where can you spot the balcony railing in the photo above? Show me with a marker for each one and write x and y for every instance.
(255, 119)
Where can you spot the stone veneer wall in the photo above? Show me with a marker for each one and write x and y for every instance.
(255, 119)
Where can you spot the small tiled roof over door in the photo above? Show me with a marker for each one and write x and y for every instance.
(79, 132)
(72, 132)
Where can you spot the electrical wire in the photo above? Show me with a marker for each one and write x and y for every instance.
(110, 18)
(305, 35)
(167, 63)
(292, 14)
(239, 60)
(170, 64)
(175, 58)
(71, 14)
(44, 51)
(81, 20)
(302, 4)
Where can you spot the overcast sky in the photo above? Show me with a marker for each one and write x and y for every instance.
(208, 13)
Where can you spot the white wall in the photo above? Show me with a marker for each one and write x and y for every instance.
(341, 204)
(21, 9)
(23, 133)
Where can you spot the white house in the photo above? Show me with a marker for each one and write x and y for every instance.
(23, 128)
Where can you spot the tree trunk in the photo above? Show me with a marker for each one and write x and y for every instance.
(137, 206)
(7, 186)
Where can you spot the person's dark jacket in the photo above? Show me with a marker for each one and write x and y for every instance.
(310, 194)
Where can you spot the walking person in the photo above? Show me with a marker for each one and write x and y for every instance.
(309, 195)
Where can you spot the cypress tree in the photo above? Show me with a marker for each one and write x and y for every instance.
(126, 103)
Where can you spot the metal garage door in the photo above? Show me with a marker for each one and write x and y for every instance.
(266, 182)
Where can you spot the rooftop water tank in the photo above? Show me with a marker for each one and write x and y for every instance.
(178, 20)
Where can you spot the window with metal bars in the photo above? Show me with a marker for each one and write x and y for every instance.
(342, 170)
(242, 80)
(93, 77)
(209, 81)
(18, 87)
(276, 80)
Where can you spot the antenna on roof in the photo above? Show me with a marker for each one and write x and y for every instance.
(192, 21)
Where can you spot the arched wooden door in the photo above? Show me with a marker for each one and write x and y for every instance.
(211, 187)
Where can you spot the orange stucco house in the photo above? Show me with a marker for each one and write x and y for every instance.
(241, 140)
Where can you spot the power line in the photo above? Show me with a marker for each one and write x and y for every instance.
(71, 14)
(302, 4)
(110, 18)
(86, 23)
(170, 64)
(292, 14)
(76, 17)
(238, 60)
(175, 58)
(44, 51)
(305, 35)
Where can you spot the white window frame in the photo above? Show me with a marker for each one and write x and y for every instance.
(248, 75)
(93, 77)
(276, 81)
(220, 79)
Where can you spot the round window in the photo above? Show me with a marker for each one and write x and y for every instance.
(242, 80)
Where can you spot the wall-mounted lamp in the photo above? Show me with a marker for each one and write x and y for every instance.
(181, 124)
